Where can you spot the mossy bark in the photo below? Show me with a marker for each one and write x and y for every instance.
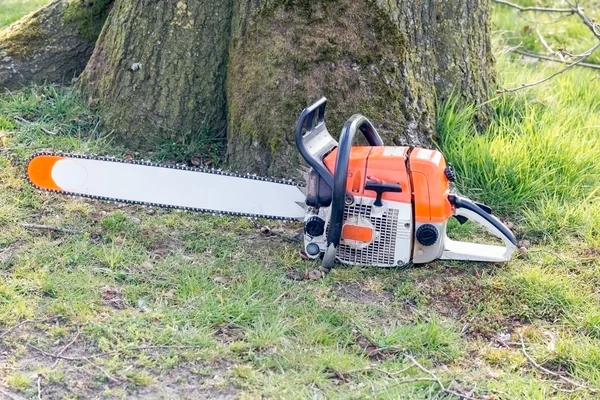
(159, 70)
(245, 68)
(388, 60)
(51, 45)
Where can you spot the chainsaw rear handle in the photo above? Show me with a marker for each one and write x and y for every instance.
(317, 142)
(462, 203)
(338, 202)
(454, 250)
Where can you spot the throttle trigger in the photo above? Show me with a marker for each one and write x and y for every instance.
(381, 187)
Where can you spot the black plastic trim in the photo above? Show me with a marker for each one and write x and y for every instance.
(313, 117)
(462, 202)
(338, 203)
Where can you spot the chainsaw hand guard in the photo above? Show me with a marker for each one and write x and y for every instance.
(455, 250)
(340, 196)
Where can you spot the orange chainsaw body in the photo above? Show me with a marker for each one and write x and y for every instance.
(384, 205)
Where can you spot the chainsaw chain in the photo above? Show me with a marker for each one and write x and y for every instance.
(171, 166)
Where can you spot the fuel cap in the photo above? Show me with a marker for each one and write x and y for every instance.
(427, 234)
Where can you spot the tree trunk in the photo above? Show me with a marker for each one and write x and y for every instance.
(187, 68)
(386, 60)
(159, 71)
(51, 45)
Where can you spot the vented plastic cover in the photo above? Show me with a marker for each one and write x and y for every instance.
(393, 243)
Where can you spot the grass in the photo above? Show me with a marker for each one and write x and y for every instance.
(180, 304)
(12, 10)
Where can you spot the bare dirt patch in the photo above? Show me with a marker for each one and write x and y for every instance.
(355, 292)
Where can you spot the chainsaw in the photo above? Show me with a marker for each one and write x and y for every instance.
(369, 205)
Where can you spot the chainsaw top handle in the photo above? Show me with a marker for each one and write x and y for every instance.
(338, 203)
(317, 142)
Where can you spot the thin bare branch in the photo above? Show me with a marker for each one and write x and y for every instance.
(66, 347)
(552, 373)
(6, 332)
(437, 380)
(544, 57)
(39, 386)
(547, 46)
(568, 67)
(108, 376)
(49, 228)
(588, 22)
(542, 9)
(58, 355)
(98, 355)
(10, 395)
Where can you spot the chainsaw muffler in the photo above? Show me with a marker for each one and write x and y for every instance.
(382, 205)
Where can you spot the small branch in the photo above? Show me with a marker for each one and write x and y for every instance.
(58, 355)
(543, 9)
(437, 380)
(6, 332)
(528, 85)
(547, 46)
(66, 347)
(98, 355)
(588, 22)
(39, 385)
(49, 228)
(10, 395)
(108, 376)
(544, 57)
(552, 373)
(23, 120)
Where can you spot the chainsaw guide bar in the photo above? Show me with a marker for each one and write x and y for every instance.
(277, 199)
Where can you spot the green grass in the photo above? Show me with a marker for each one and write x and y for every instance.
(12, 10)
(203, 305)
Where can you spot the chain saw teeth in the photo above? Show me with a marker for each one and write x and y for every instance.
(170, 166)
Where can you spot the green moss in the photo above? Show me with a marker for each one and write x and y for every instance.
(88, 15)
(22, 36)
(290, 56)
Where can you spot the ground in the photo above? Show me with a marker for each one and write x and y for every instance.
(133, 302)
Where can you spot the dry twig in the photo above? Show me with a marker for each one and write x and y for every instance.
(39, 385)
(542, 9)
(108, 353)
(434, 378)
(544, 57)
(66, 347)
(6, 332)
(588, 22)
(10, 395)
(108, 376)
(552, 373)
(49, 228)
(547, 46)
(568, 67)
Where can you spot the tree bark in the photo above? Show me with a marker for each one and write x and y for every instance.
(387, 60)
(171, 72)
(51, 45)
(159, 71)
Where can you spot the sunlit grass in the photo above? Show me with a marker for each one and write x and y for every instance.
(12, 10)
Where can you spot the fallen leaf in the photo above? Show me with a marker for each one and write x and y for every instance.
(294, 275)
(196, 160)
(314, 274)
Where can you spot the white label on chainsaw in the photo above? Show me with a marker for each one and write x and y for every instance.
(180, 188)
(394, 151)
